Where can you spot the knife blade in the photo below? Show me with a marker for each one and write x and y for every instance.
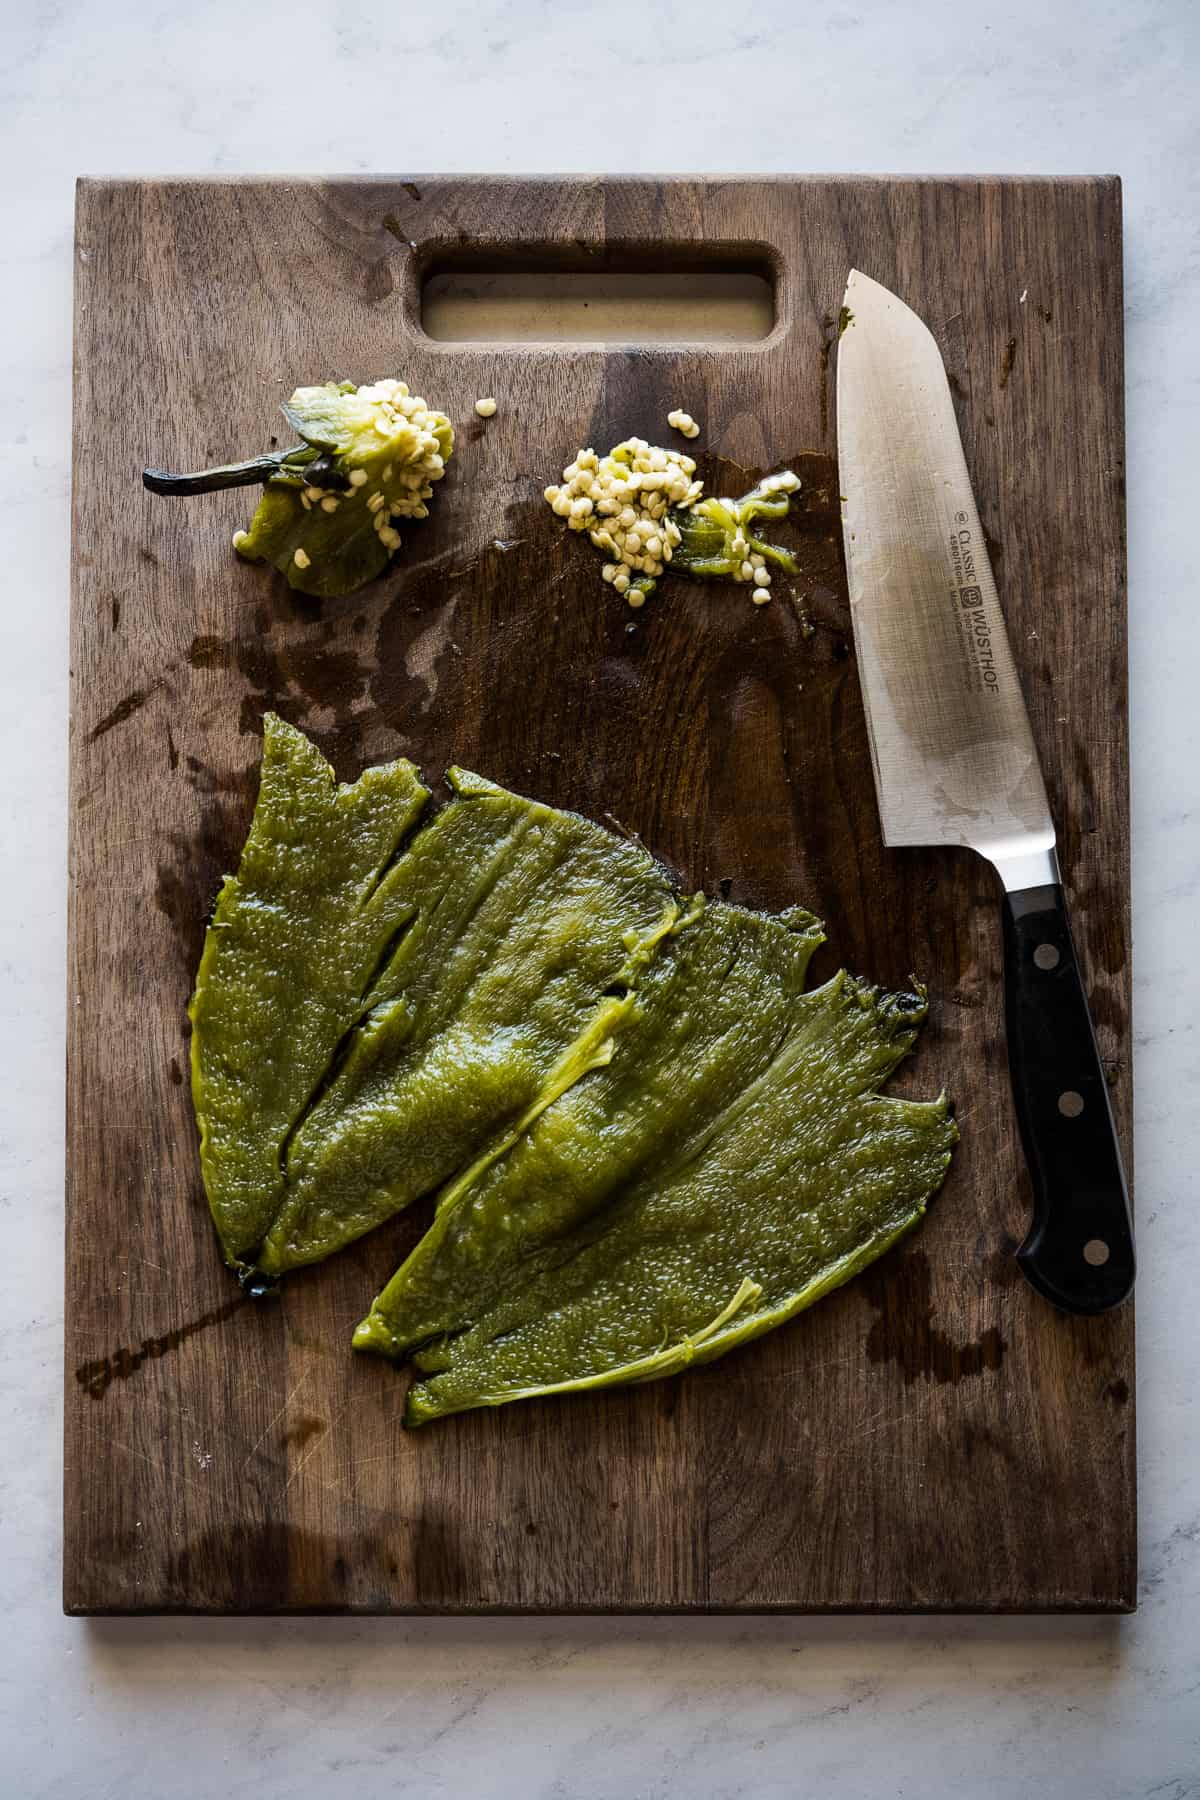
(955, 763)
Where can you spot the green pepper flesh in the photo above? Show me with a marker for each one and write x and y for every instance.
(648, 1140)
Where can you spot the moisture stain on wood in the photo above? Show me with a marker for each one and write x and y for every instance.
(1001, 1266)
(1007, 361)
(829, 337)
(209, 652)
(391, 223)
(303, 1432)
(831, 330)
(192, 866)
(290, 675)
(124, 709)
(97, 1376)
(901, 1288)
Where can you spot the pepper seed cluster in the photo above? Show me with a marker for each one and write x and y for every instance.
(621, 500)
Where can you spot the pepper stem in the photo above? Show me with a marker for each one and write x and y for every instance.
(259, 469)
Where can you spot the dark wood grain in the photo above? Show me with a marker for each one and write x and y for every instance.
(933, 1436)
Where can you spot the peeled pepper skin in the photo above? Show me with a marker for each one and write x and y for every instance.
(376, 1005)
(289, 965)
(648, 1140)
(731, 1164)
(706, 1021)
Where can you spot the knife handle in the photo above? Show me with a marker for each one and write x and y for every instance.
(1079, 1250)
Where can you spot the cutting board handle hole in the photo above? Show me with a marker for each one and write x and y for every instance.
(653, 295)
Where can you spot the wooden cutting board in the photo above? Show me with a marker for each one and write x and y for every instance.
(934, 1435)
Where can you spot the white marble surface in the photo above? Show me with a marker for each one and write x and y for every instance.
(605, 1708)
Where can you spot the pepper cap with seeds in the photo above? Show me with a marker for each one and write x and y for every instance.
(370, 455)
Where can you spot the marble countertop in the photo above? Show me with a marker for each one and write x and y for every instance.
(644, 1708)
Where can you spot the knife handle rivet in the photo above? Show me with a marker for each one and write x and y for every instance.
(1047, 956)
(1096, 1252)
(1070, 1104)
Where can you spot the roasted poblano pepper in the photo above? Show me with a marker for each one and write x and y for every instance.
(731, 1163)
(374, 1004)
(327, 519)
(649, 1141)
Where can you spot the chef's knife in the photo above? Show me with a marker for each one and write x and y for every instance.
(955, 763)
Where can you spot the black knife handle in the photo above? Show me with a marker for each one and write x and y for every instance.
(1079, 1251)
